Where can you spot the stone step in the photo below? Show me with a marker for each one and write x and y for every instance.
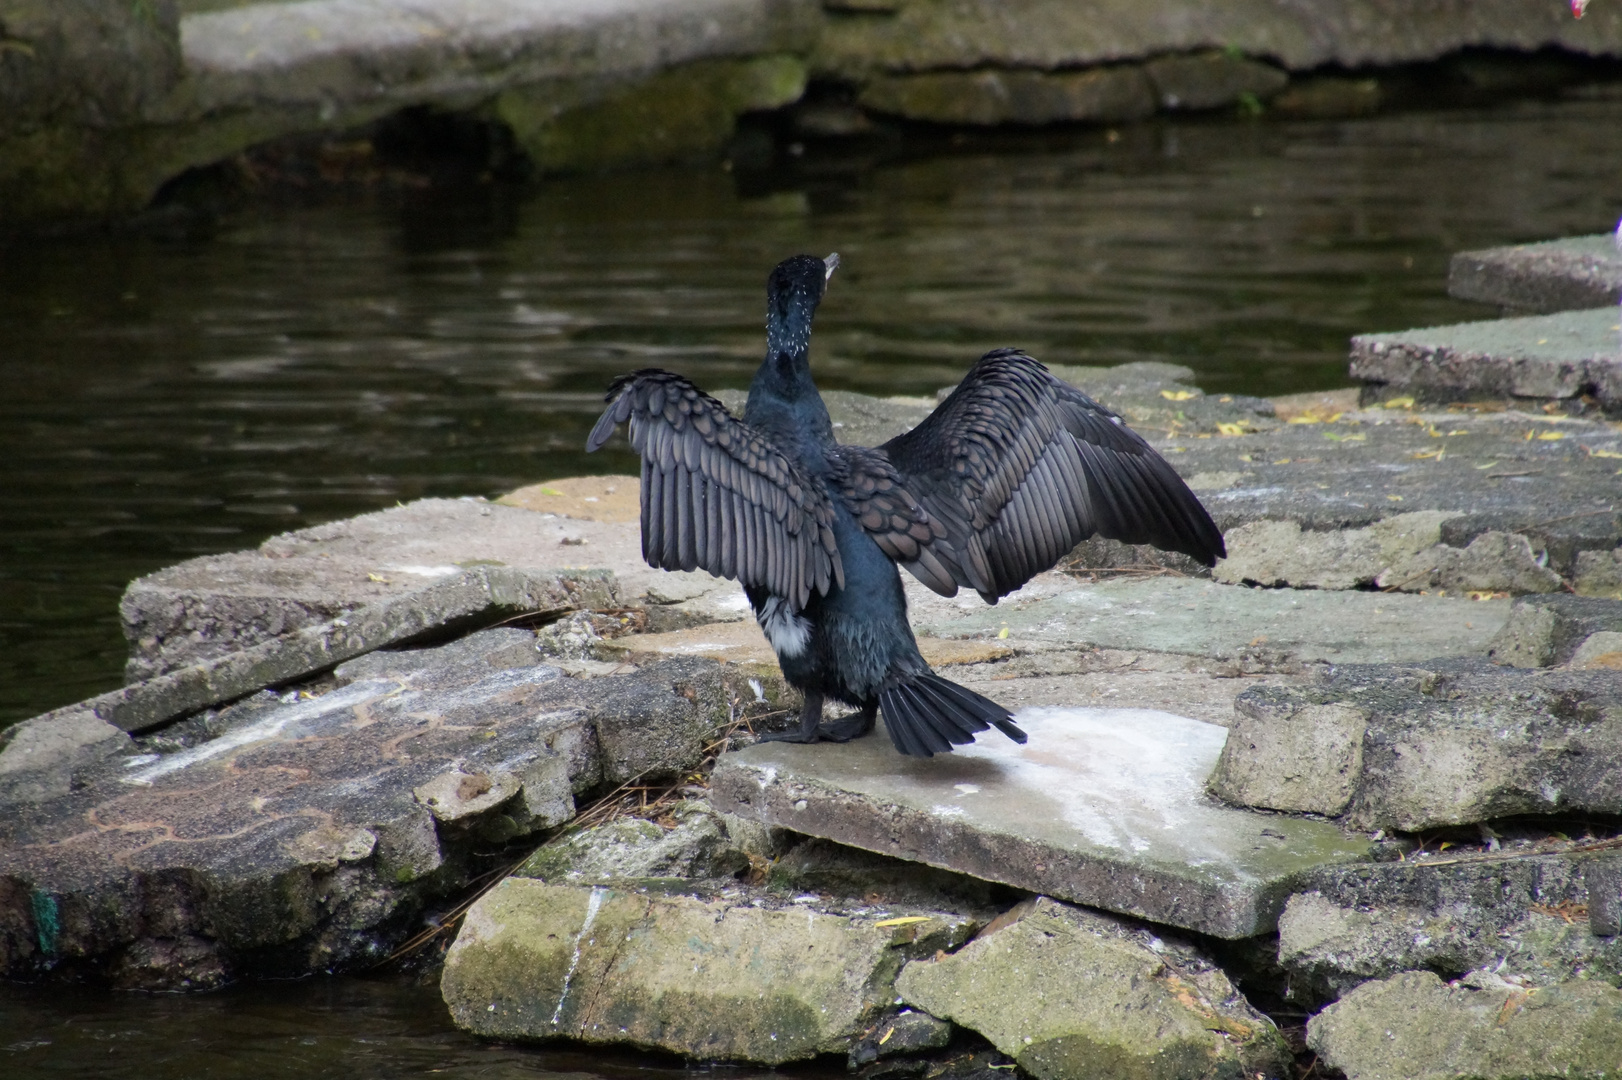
(1556, 275)
(1568, 357)
(1105, 807)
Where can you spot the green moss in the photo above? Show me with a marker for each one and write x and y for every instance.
(684, 112)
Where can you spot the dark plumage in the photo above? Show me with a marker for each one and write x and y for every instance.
(1010, 472)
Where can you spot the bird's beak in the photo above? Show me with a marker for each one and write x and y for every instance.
(832, 263)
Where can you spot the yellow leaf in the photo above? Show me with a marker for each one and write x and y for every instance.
(1002, 634)
(379, 578)
(1333, 437)
(1176, 395)
(1394, 498)
(904, 920)
(1603, 453)
(1306, 418)
(1551, 436)
(1231, 429)
(1489, 465)
(1400, 403)
(550, 491)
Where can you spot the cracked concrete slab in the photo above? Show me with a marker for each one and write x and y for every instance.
(1105, 807)
(1557, 275)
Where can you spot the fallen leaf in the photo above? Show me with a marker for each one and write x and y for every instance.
(1551, 436)
(1400, 403)
(903, 920)
(1002, 635)
(1176, 395)
(1231, 429)
(1336, 437)
(1394, 498)
(381, 580)
(1602, 453)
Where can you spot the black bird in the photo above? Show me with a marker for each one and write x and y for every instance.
(1011, 471)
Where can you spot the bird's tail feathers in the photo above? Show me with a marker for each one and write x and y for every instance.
(927, 715)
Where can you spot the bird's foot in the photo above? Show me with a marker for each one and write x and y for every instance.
(793, 736)
(846, 728)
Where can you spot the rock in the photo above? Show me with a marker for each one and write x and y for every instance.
(1274, 553)
(1012, 97)
(1102, 807)
(1415, 1027)
(331, 820)
(715, 975)
(1536, 359)
(77, 80)
(1599, 573)
(1517, 912)
(907, 1032)
(586, 498)
(821, 866)
(1228, 625)
(1328, 97)
(221, 604)
(1556, 275)
(1096, 999)
(39, 758)
(858, 419)
(1493, 562)
(1161, 399)
(698, 846)
(480, 594)
(1446, 742)
(921, 35)
(1601, 651)
(1547, 630)
(742, 643)
(1210, 80)
(683, 112)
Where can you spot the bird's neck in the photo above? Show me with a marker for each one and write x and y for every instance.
(784, 403)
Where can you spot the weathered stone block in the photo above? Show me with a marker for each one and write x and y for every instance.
(697, 847)
(1012, 97)
(1444, 743)
(679, 113)
(1103, 807)
(1545, 630)
(1558, 275)
(1599, 573)
(1276, 553)
(1415, 1027)
(1492, 562)
(1211, 80)
(1542, 357)
(723, 975)
(1302, 758)
(39, 757)
(1071, 995)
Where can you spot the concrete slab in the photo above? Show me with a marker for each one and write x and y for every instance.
(302, 832)
(1557, 357)
(1104, 807)
(1556, 275)
(1259, 629)
(743, 643)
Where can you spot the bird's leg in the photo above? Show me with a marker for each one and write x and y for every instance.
(851, 726)
(810, 717)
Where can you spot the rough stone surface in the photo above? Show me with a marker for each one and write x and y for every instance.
(1211, 80)
(303, 833)
(1555, 357)
(1522, 912)
(1251, 629)
(1550, 629)
(1017, 97)
(1446, 742)
(921, 35)
(1415, 1027)
(218, 604)
(1599, 573)
(1096, 999)
(728, 974)
(683, 112)
(1102, 807)
(696, 846)
(1557, 275)
(39, 757)
(77, 77)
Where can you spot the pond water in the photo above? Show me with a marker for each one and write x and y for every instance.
(169, 396)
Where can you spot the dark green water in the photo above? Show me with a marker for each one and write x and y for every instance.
(166, 398)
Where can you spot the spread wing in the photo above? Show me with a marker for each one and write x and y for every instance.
(872, 490)
(716, 494)
(1018, 468)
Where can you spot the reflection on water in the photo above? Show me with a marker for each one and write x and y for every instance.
(322, 1027)
(166, 398)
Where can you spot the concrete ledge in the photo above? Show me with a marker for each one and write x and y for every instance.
(1558, 275)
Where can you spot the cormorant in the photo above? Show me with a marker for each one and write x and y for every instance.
(1007, 475)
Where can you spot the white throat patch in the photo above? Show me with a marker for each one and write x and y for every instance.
(787, 630)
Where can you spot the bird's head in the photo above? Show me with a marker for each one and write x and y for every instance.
(793, 292)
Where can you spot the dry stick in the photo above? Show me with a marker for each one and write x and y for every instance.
(1486, 857)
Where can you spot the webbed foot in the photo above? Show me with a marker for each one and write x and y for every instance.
(851, 726)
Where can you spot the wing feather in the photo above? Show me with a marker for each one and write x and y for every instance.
(1015, 468)
(716, 494)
